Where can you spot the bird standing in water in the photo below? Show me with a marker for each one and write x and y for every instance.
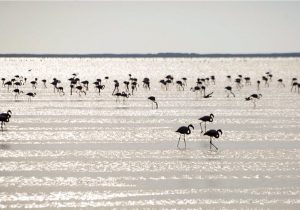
(4, 117)
(213, 133)
(253, 98)
(30, 95)
(207, 118)
(185, 130)
(229, 90)
(152, 98)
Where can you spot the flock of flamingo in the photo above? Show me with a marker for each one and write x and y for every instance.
(131, 85)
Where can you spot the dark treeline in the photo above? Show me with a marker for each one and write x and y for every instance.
(157, 55)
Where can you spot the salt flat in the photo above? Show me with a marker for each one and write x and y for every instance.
(93, 152)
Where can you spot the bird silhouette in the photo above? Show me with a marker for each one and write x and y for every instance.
(80, 90)
(280, 83)
(60, 90)
(152, 98)
(17, 93)
(116, 89)
(125, 95)
(30, 95)
(117, 96)
(99, 88)
(253, 98)
(44, 82)
(208, 95)
(229, 90)
(8, 84)
(185, 130)
(206, 118)
(213, 133)
(4, 117)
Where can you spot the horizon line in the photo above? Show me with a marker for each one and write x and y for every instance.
(152, 55)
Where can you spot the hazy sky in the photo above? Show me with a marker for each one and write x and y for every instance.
(149, 27)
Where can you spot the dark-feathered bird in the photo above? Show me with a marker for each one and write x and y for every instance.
(208, 95)
(253, 98)
(30, 95)
(229, 90)
(206, 118)
(185, 130)
(4, 117)
(152, 98)
(213, 133)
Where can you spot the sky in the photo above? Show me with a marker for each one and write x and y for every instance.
(149, 27)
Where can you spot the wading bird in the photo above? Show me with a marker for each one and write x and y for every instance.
(229, 90)
(213, 133)
(185, 130)
(4, 117)
(152, 98)
(17, 93)
(253, 98)
(206, 118)
(30, 95)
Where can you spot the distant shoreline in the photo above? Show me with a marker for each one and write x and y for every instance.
(157, 55)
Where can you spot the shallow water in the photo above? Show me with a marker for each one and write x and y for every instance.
(91, 152)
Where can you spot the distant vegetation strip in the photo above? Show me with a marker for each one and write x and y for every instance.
(158, 55)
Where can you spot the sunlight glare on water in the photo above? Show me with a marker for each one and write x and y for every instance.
(90, 151)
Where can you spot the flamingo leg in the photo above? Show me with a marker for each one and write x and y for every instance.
(211, 144)
(184, 140)
(205, 126)
(178, 141)
(201, 128)
(254, 103)
(232, 94)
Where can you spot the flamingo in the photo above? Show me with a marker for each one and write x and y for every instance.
(79, 88)
(184, 81)
(3, 80)
(152, 98)
(253, 98)
(116, 89)
(280, 83)
(86, 84)
(180, 85)
(258, 84)
(229, 90)
(8, 83)
(34, 83)
(30, 95)
(125, 95)
(17, 92)
(117, 96)
(247, 81)
(213, 79)
(4, 117)
(60, 90)
(100, 87)
(146, 83)
(208, 95)
(206, 118)
(44, 82)
(185, 130)
(266, 81)
(294, 85)
(213, 133)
